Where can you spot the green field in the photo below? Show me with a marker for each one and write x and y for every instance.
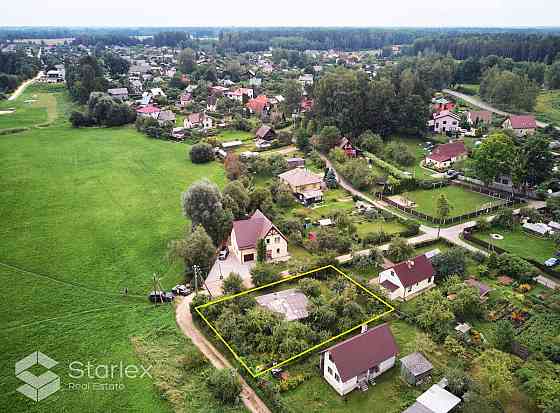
(417, 149)
(37, 105)
(86, 213)
(548, 106)
(462, 201)
(520, 242)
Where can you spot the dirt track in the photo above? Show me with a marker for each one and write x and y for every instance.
(185, 321)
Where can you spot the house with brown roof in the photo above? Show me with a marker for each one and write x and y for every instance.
(198, 120)
(522, 125)
(479, 116)
(407, 279)
(305, 185)
(358, 360)
(445, 155)
(246, 233)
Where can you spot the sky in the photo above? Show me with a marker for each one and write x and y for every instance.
(364, 13)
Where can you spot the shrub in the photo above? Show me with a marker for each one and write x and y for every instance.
(224, 385)
(262, 274)
(451, 262)
(201, 153)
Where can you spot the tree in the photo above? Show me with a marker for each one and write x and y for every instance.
(232, 284)
(284, 196)
(302, 140)
(328, 138)
(202, 203)
(330, 179)
(494, 375)
(399, 250)
(553, 75)
(196, 249)
(443, 210)
(432, 311)
(534, 162)
(116, 64)
(371, 142)
(467, 301)
(451, 262)
(494, 157)
(503, 335)
(201, 153)
(240, 196)
(261, 250)
(186, 61)
(292, 96)
(233, 166)
(224, 385)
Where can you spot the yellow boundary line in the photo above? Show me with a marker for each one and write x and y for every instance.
(293, 277)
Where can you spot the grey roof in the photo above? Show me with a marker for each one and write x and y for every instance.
(291, 303)
(417, 408)
(438, 400)
(166, 116)
(416, 363)
(118, 91)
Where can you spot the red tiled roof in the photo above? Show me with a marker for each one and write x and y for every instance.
(249, 231)
(388, 285)
(148, 109)
(445, 152)
(363, 351)
(257, 104)
(413, 271)
(523, 122)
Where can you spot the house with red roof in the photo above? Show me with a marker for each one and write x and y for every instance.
(522, 125)
(246, 233)
(407, 279)
(358, 360)
(258, 105)
(445, 155)
(148, 111)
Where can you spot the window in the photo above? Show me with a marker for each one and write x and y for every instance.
(454, 122)
(329, 370)
(329, 357)
(409, 289)
(336, 377)
(277, 240)
(445, 122)
(277, 250)
(268, 240)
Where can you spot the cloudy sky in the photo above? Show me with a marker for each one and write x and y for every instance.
(479, 13)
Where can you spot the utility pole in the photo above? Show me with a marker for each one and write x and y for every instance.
(196, 269)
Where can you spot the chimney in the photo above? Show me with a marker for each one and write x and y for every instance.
(364, 328)
(410, 263)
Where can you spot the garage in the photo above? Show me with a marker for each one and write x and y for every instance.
(248, 257)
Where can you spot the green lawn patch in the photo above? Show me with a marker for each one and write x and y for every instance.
(520, 242)
(461, 200)
(547, 108)
(86, 213)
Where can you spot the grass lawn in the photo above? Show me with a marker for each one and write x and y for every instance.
(460, 199)
(547, 108)
(86, 213)
(234, 135)
(390, 227)
(35, 106)
(520, 242)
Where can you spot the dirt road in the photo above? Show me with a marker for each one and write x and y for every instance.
(185, 321)
(22, 87)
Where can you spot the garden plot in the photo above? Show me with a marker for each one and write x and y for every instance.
(272, 325)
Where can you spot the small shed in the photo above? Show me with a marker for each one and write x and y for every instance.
(231, 144)
(295, 162)
(415, 368)
(463, 329)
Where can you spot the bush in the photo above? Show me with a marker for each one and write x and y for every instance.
(201, 153)
(262, 274)
(399, 250)
(451, 262)
(375, 238)
(224, 385)
(515, 267)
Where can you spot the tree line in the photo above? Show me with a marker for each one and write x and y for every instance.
(15, 68)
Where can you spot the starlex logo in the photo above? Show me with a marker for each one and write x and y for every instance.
(40, 387)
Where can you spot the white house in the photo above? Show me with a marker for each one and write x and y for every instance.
(408, 278)
(360, 359)
(156, 91)
(445, 121)
(198, 120)
(521, 125)
(306, 80)
(445, 155)
(246, 234)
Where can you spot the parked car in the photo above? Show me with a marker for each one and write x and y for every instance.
(181, 289)
(552, 262)
(451, 174)
(223, 253)
(160, 296)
